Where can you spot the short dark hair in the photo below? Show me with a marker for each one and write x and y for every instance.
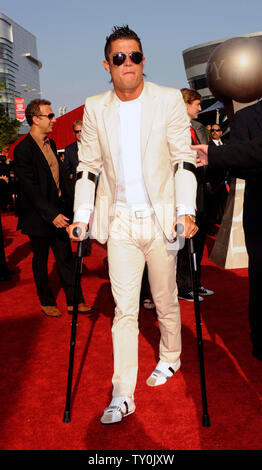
(33, 109)
(121, 32)
(190, 95)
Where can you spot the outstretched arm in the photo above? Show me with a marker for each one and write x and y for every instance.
(243, 155)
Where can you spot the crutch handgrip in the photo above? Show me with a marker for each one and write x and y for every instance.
(77, 231)
(179, 228)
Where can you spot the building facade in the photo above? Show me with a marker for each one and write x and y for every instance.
(195, 61)
(19, 68)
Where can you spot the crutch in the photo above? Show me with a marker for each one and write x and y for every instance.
(193, 268)
(67, 412)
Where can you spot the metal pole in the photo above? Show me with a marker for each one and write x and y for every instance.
(193, 266)
(67, 412)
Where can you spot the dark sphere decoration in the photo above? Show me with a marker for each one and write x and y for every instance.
(234, 70)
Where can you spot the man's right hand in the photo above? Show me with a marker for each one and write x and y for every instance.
(70, 230)
(202, 154)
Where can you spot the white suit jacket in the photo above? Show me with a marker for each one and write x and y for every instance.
(165, 142)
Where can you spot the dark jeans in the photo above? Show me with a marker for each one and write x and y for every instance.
(61, 247)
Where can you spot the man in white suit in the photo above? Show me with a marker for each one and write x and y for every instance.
(137, 137)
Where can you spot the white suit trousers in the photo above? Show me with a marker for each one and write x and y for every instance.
(132, 242)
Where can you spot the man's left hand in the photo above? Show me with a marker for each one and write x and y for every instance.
(61, 221)
(188, 224)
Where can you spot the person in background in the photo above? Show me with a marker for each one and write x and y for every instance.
(218, 185)
(45, 204)
(247, 125)
(245, 159)
(5, 272)
(208, 129)
(71, 151)
(5, 184)
(70, 163)
(192, 101)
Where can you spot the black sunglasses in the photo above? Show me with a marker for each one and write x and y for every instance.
(49, 116)
(120, 57)
(215, 130)
(76, 132)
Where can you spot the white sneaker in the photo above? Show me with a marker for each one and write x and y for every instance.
(203, 291)
(119, 408)
(163, 372)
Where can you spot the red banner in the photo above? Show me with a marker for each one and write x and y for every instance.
(20, 109)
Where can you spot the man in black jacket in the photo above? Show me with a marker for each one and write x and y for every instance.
(70, 165)
(217, 184)
(245, 156)
(46, 199)
(246, 125)
(71, 152)
(245, 161)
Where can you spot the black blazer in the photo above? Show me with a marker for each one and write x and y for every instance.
(247, 125)
(245, 155)
(71, 159)
(39, 202)
(216, 178)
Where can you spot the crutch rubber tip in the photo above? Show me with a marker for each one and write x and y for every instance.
(67, 417)
(206, 421)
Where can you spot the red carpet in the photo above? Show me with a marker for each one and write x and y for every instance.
(34, 364)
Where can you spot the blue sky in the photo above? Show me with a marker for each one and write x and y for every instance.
(71, 37)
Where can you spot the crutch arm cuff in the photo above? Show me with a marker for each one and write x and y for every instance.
(90, 176)
(186, 166)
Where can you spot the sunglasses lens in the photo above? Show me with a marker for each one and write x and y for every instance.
(51, 116)
(136, 57)
(119, 59)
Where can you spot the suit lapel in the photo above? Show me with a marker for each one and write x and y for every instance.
(75, 153)
(39, 155)
(41, 160)
(258, 115)
(147, 117)
(111, 122)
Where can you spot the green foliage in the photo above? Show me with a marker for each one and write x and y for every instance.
(8, 127)
(8, 131)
